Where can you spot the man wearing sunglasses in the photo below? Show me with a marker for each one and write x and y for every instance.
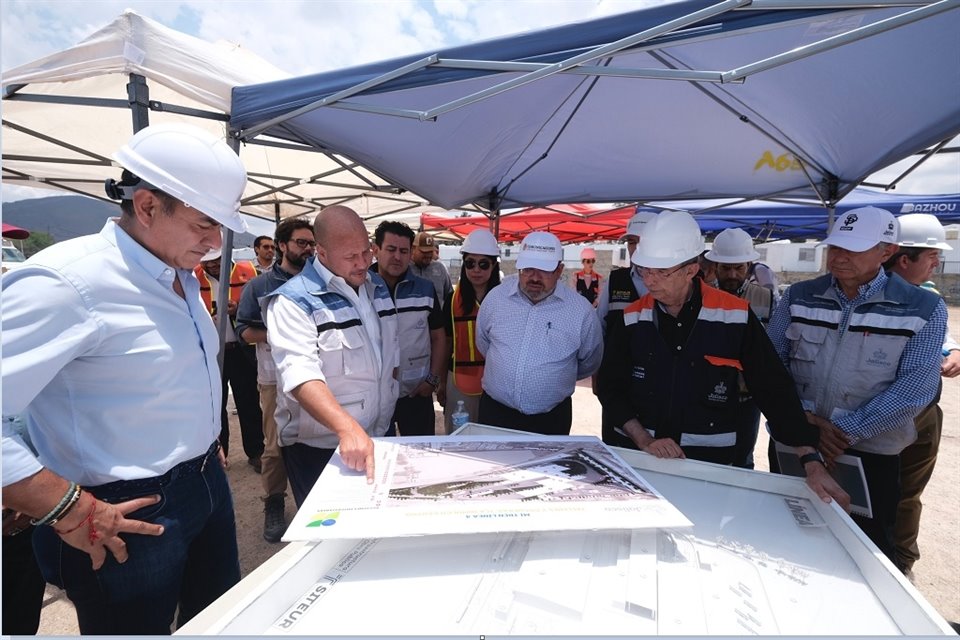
(265, 249)
(419, 328)
(669, 378)
(297, 246)
(538, 339)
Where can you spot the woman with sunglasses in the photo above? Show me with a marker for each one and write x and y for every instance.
(479, 273)
(586, 281)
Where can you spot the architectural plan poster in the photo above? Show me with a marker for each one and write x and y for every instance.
(473, 484)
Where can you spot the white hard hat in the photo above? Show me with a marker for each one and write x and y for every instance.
(922, 230)
(588, 254)
(638, 221)
(732, 246)
(860, 229)
(672, 238)
(191, 165)
(213, 254)
(540, 250)
(481, 242)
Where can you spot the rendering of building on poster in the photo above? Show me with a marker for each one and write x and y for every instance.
(473, 484)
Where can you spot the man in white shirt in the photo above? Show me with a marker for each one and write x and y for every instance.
(538, 339)
(112, 357)
(332, 330)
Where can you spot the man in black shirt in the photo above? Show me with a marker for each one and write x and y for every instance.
(669, 381)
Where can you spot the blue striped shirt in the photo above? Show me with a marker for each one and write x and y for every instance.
(916, 382)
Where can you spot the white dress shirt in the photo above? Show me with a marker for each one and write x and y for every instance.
(535, 353)
(115, 373)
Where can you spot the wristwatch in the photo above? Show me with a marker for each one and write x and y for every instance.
(812, 457)
(433, 380)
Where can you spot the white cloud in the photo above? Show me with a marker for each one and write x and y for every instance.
(309, 37)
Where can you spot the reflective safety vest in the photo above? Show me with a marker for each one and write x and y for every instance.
(689, 394)
(590, 291)
(467, 361)
(240, 274)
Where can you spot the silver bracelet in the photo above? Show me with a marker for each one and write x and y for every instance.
(67, 501)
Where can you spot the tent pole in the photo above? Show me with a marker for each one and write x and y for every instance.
(276, 212)
(833, 185)
(494, 207)
(226, 266)
(138, 95)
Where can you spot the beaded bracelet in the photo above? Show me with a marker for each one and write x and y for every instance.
(70, 497)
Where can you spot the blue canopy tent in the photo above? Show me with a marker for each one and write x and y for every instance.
(766, 220)
(689, 100)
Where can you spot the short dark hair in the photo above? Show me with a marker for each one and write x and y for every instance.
(912, 253)
(286, 228)
(259, 240)
(392, 226)
(167, 203)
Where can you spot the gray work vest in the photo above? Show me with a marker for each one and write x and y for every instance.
(838, 365)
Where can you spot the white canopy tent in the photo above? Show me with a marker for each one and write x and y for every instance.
(63, 116)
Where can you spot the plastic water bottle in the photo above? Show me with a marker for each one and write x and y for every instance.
(459, 417)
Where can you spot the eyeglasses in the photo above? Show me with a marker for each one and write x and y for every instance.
(470, 263)
(657, 274)
(267, 247)
(303, 244)
(588, 260)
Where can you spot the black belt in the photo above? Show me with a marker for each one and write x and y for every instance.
(194, 465)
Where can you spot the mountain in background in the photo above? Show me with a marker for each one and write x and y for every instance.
(66, 217)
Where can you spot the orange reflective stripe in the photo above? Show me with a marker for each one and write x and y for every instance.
(240, 274)
(724, 362)
(467, 362)
(716, 299)
(472, 340)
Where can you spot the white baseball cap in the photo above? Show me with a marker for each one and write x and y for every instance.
(540, 250)
(638, 221)
(861, 229)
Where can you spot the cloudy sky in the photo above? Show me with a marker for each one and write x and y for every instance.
(305, 36)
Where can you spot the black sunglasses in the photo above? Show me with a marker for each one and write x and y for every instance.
(589, 260)
(470, 263)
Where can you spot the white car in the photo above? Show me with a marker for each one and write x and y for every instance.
(12, 258)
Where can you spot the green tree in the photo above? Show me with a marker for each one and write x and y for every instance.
(38, 240)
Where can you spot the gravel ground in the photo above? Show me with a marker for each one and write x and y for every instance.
(936, 575)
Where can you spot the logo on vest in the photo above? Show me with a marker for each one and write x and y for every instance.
(719, 393)
(639, 373)
(621, 295)
(848, 222)
(879, 358)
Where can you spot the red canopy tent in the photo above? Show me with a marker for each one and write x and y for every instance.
(10, 231)
(569, 222)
